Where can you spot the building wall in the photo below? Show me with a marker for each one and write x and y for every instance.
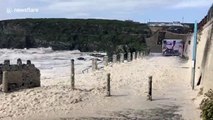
(152, 41)
(187, 52)
(204, 63)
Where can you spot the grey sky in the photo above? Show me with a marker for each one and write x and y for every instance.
(137, 10)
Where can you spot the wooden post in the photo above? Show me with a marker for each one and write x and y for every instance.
(121, 57)
(141, 54)
(5, 82)
(94, 64)
(114, 58)
(108, 85)
(72, 75)
(144, 53)
(138, 55)
(106, 60)
(129, 57)
(19, 62)
(133, 56)
(28, 62)
(150, 89)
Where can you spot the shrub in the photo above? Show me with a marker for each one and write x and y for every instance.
(207, 106)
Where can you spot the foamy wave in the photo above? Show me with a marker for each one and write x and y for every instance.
(48, 60)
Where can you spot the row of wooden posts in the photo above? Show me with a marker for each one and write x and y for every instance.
(130, 56)
(95, 67)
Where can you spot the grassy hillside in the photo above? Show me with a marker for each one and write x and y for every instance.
(69, 34)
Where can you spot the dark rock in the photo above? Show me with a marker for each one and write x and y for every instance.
(96, 55)
(81, 58)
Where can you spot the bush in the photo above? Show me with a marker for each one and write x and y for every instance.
(207, 106)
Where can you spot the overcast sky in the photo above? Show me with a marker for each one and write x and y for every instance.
(136, 10)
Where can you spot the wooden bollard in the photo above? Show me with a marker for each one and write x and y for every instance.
(129, 57)
(94, 64)
(133, 56)
(108, 85)
(28, 62)
(5, 82)
(121, 57)
(114, 58)
(138, 55)
(149, 96)
(144, 53)
(106, 60)
(19, 62)
(141, 54)
(72, 75)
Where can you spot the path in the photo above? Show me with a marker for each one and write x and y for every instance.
(172, 94)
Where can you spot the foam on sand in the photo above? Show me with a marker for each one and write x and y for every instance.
(55, 99)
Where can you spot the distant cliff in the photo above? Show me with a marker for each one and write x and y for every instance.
(69, 34)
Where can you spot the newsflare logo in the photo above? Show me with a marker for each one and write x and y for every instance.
(9, 10)
(22, 10)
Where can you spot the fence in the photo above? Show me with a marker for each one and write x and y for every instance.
(116, 58)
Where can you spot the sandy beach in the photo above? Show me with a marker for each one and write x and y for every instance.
(172, 94)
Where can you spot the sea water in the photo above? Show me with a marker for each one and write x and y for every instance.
(52, 64)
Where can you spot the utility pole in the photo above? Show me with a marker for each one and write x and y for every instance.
(194, 52)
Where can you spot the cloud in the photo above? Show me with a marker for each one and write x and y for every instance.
(116, 9)
(94, 7)
(124, 7)
(91, 5)
(193, 4)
